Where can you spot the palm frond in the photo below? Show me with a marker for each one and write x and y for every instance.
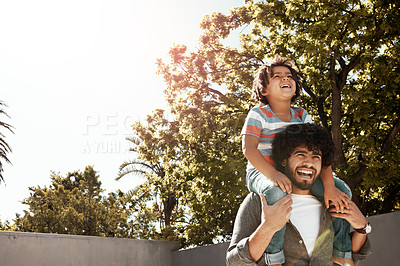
(135, 167)
(4, 147)
(136, 141)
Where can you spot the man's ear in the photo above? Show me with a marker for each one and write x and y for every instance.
(283, 163)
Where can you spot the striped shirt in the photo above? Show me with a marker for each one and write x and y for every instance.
(264, 124)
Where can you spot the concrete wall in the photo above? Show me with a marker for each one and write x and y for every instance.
(213, 255)
(20, 249)
(385, 240)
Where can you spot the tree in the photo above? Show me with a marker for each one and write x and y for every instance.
(163, 215)
(348, 54)
(166, 156)
(4, 147)
(73, 205)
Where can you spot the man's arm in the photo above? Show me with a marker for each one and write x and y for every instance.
(246, 222)
(273, 218)
(357, 220)
(255, 224)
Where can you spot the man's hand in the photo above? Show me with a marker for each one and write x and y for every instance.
(282, 181)
(339, 199)
(357, 220)
(352, 214)
(274, 217)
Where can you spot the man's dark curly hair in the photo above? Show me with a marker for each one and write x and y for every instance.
(261, 78)
(299, 135)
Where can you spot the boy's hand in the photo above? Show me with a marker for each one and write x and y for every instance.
(334, 196)
(352, 214)
(282, 181)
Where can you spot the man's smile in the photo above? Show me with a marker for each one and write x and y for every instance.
(305, 172)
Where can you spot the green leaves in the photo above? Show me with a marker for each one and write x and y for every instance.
(73, 205)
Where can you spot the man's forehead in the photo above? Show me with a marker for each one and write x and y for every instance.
(305, 149)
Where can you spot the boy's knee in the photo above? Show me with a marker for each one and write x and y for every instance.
(344, 188)
(347, 190)
(273, 194)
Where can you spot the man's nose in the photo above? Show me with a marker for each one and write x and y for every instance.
(308, 161)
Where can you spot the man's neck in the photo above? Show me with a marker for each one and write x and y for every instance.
(296, 190)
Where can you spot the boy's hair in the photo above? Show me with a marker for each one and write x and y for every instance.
(261, 78)
(302, 135)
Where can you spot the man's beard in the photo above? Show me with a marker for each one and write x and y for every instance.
(303, 185)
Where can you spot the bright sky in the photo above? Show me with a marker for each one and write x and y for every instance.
(75, 75)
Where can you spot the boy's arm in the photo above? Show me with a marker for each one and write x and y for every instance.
(250, 150)
(332, 195)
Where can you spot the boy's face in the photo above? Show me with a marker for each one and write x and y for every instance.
(281, 85)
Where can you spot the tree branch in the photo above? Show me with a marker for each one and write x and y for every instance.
(356, 178)
(222, 96)
(390, 137)
(319, 101)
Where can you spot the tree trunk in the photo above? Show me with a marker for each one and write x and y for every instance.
(169, 205)
(336, 114)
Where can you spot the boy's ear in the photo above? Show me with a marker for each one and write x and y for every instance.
(264, 92)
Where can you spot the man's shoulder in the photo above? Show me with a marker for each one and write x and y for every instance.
(251, 202)
(252, 198)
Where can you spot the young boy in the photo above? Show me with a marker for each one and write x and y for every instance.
(276, 85)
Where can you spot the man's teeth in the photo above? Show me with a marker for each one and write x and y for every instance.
(285, 86)
(305, 172)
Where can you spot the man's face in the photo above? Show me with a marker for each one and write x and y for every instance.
(303, 167)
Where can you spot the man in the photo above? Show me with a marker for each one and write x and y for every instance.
(299, 152)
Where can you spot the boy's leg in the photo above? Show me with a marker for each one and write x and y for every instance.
(342, 240)
(258, 183)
